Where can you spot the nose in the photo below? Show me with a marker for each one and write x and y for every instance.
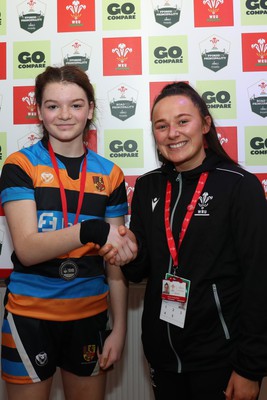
(64, 113)
(173, 132)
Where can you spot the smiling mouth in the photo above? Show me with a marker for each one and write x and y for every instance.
(177, 145)
(64, 126)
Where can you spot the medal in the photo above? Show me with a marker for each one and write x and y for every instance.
(68, 270)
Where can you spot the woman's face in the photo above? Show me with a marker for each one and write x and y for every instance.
(64, 111)
(178, 129)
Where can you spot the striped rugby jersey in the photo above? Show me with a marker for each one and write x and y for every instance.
(38, 291)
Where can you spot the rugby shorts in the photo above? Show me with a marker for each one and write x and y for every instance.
(32, 349)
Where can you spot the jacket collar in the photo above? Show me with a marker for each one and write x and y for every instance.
(210, 162)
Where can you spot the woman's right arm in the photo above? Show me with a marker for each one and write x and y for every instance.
(33, 247)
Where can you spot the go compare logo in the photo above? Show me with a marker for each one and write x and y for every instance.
(220, 97)
(256, 145)
(170, 52)
(253, 12)
(124, 15)
(30, 58)
(125, 147)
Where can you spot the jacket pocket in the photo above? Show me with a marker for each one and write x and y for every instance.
(219, 309)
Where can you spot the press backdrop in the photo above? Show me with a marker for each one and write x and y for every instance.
(130, 50)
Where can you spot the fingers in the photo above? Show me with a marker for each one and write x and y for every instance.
(108, 251)
(121, 246)
(131, 248)
(125, 253)
(105, 249)
(111, 351)
(132, 244)
(105, 359)
(131, 235)
(104, 362)
(122, 230)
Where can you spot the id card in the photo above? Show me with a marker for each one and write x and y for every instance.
(175, 292)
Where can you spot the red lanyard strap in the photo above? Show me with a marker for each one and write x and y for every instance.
(187, 219)
(62, 190)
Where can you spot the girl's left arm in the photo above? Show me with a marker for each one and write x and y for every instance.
(118, 295)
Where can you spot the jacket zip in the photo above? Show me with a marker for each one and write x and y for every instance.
(219, 309)
(179, 364)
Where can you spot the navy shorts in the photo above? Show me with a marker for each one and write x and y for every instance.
(32, 349)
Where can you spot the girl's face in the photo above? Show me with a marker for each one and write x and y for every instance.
(64, 111)
(178, 129)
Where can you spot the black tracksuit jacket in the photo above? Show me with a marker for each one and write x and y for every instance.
(223, 254)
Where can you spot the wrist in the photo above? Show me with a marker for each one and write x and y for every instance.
(95, 231)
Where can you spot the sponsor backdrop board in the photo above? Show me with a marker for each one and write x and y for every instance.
(130, 50)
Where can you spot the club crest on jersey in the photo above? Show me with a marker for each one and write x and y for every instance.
(89, 352)
(99, 183)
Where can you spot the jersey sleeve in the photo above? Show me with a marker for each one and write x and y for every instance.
(117, 205)
(15, 183)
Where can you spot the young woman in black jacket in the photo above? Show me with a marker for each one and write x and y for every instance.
(201, 222)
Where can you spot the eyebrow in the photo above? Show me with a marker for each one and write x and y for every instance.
(56, 101)
(183, 115)
(176, 117)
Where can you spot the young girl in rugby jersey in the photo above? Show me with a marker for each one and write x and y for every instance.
(62, 202)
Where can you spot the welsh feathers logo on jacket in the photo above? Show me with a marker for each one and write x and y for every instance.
(203, 203)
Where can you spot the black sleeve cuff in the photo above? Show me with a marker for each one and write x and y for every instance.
(95, 231)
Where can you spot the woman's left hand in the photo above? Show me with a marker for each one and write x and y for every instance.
(240, 388)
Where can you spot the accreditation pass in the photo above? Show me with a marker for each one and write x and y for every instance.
(175, 293)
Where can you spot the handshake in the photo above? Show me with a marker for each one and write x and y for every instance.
(121, 246)
(116, 244)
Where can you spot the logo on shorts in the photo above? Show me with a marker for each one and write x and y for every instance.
(41, 359)
(89, 352)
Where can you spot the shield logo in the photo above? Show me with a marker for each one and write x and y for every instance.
(89, 352)
(99, 183)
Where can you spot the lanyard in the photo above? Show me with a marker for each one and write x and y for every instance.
(62, 190)
(186, 221)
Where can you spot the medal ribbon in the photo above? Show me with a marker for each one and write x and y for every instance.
(186, 221)
(62, 190)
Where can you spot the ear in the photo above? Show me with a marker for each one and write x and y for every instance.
(39, 113)
(91, 110)
(206, 125)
